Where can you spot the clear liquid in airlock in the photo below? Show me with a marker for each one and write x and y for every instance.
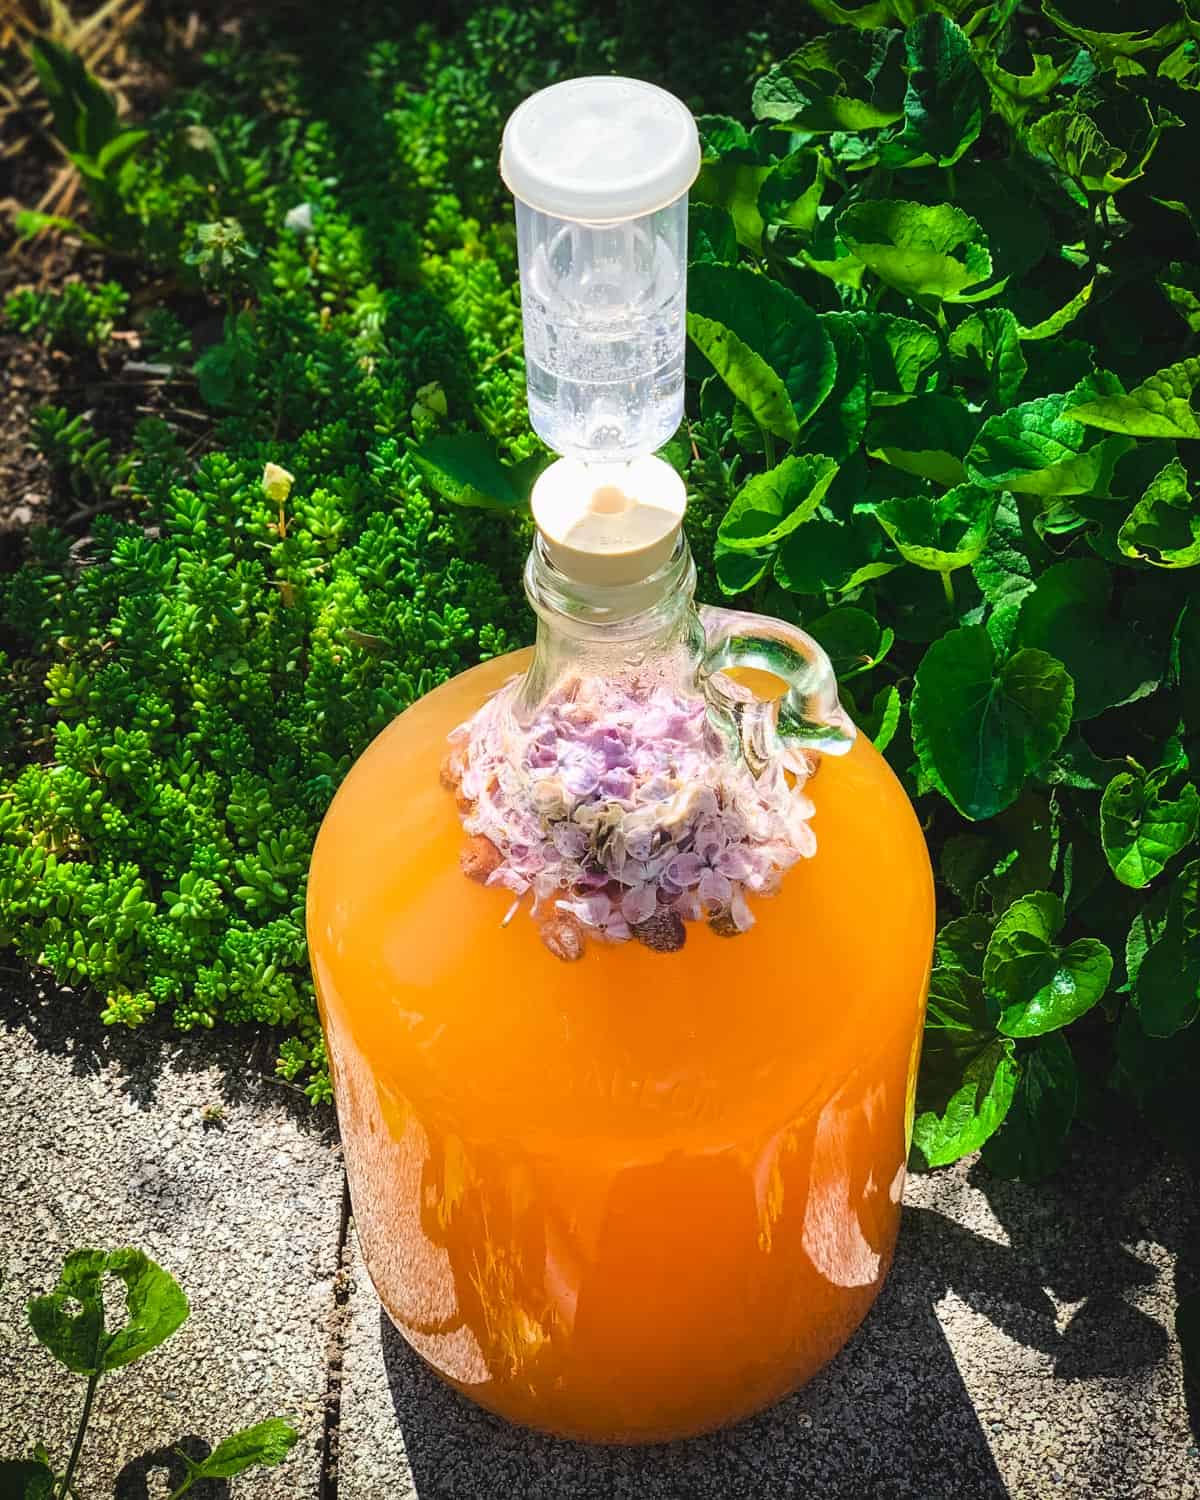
(604, 345)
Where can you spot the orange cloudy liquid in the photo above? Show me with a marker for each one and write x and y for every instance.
(641, 1194)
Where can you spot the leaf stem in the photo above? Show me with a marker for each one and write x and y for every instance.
(77, 1447)
(948, 588)
(768, 447)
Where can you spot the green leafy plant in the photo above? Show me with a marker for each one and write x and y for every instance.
(70, 1322)
(78, 317)
(929, 270)
(943, 309)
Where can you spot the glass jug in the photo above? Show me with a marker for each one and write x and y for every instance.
(621, 950)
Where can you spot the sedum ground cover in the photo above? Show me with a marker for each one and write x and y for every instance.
(944, 303)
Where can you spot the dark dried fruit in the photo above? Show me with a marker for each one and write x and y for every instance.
(480, 858)
(664, 931)
(723, 925)
(563, 935)
(451, 772)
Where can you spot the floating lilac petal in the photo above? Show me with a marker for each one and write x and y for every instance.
(638, 903)
(618, 783)
(686, 869)
(612, 803)
(714, 890)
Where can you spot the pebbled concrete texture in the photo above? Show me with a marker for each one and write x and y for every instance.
(1022, 1346)
(105, 1145)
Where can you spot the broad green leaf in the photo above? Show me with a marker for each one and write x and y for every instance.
(732, 172)
(1103, 25)
(1160, 1074)
(904, 356)
(711, 235)
(1068, 615)
(988, 343)
(974, 1111)
(1161, 407)
(843, 268)
(154, 1303)
(933, 251)
(1141, 830)
(1107, 148)
(262, 1446)
(1037, 449)
(968, 1073)
(747, 375)
(1185, 651)
(961, 944)
(884, 717)
(840, 81)
(1004, 571)
(69, 1321)
(943, 534)
(1017, 87)
(1058, 320)
(868, 13)
(946, 99)
(1163, 528)
(1181, 286)
(981, 727)
(775, 323)
(853, 640)
(1029, 1145)
(26, 1479)
(1166, 989)
(465, 469)
(1075, 145)
(839, 423)
(928, 436)
(834, 555)
(1039, 985)
(771, 505)
(791, 192)
(739, 571)
(1005, 199)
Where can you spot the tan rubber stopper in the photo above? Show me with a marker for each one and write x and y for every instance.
(609, 524)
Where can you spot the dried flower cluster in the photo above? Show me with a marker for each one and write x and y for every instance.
(622, 811)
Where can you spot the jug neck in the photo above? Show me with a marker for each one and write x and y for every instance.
(648, 631)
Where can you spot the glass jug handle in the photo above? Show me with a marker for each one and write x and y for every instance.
(805, 720)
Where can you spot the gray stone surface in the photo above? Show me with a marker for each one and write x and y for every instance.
(105, 1144)
(1021, 1347)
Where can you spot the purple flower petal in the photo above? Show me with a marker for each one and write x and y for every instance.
(638, 904)
(714, 890)
(686, 869)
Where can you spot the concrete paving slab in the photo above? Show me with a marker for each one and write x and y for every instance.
(105, 1145)
(1022, 1347)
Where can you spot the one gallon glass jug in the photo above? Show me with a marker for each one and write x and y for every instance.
(621, 948)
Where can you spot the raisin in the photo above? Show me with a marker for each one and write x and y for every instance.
(664, 932)
(480, 858)
(451, 772)
(723, 925)
(563, 935)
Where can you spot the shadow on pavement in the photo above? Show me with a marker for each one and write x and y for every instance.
(134, 1482)
(890, 1417)
(66, 1023)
